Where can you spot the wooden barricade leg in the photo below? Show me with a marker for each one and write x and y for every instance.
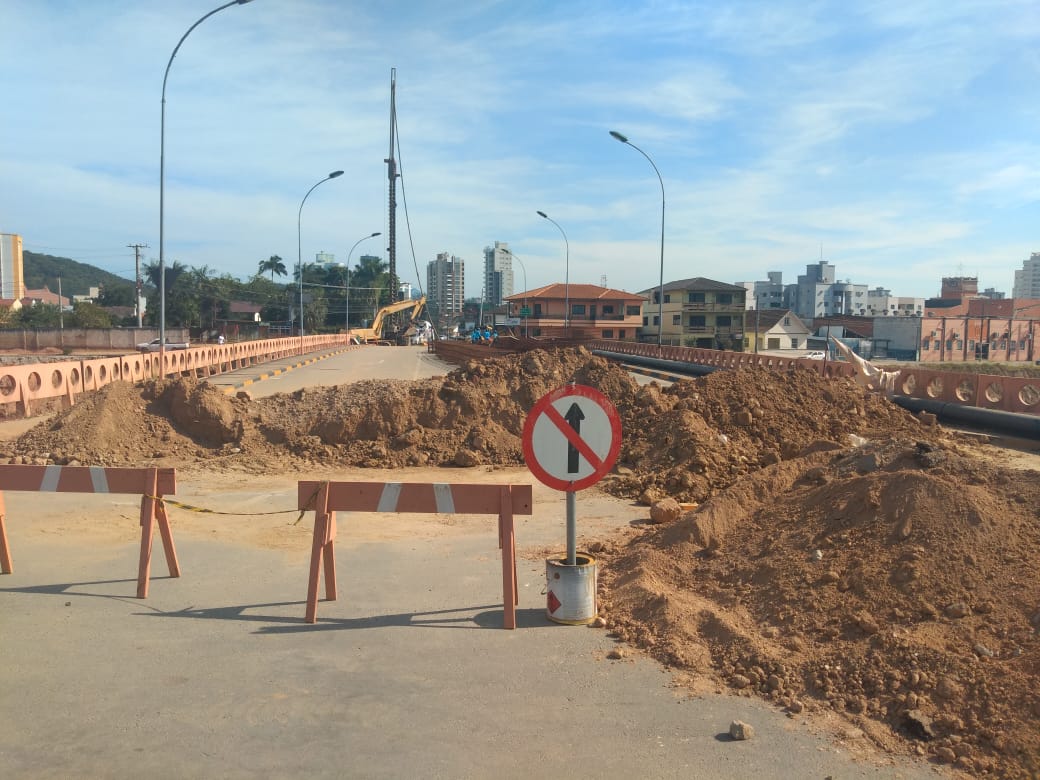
(166, 533)
(329, 556)
(5, 550)
(147, 534)
(510, 595)
(324, 533)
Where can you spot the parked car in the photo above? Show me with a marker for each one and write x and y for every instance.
(153, 345)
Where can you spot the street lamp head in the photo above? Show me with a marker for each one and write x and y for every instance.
(243, 2)
(542, 214)
(618, 136)
(375, 234)
(334, 174)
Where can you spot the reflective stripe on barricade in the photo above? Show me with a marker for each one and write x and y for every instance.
(152, 484)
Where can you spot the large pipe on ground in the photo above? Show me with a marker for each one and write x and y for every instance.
(1024, 426)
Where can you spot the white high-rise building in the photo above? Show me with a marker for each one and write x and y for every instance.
(1027, 280)
(498, 273)
(445, 288)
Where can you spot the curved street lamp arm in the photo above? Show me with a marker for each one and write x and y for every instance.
(567, 273)
(660, 293)
(162, 174)
(299, 242)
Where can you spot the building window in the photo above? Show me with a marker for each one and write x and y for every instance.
(794, 343)
(657, 320)
(646, 321)
(633, 311)
(621, 333)
(608, 334)
(696, 297)
(538, 310)
(787, 320)
(667, 298)
(608, 309)
(578, 308)
(536, 331)
(697, 321)
(724, 298)
(926, 345)
(676, 319)
(724, 321)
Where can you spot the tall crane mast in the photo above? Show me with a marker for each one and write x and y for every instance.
(391, 170)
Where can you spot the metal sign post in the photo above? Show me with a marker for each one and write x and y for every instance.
(571, 439)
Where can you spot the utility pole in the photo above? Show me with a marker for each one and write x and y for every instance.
(137, 264)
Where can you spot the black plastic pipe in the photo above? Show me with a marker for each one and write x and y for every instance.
(1025, 426)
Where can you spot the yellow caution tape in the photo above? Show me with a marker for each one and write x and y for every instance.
(203, 510)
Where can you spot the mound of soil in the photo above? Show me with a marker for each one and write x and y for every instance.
(845, 554)
(687, 441)
(897, 582)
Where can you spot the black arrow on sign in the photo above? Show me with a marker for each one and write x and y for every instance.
(573, 417)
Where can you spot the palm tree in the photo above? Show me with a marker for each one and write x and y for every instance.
(273, 264)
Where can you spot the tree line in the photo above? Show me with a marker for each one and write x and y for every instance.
(200, 298)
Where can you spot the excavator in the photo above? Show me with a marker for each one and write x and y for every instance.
(375, 332)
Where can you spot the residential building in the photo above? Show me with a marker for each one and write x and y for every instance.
(817, 294)
(1027, 280)
(12, 274)
(767, 294)
(775, 330)
(445, 289)
(881, 303)
(33, 297)
(498, 273)
(595, 312)
(698, 312)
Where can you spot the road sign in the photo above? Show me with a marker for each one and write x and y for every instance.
(571, 437)
(525, 311)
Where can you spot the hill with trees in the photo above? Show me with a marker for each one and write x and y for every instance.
(76, 278)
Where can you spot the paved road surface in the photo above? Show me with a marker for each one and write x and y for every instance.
(333, 367)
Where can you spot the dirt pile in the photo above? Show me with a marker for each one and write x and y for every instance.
(897, 582)
(687, 441)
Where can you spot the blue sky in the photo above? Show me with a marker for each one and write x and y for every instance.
(899, 141)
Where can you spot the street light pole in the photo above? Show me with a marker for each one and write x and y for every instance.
(567, 277)
(351, 252)
(299, 251)
(660, 292)
(162, 181)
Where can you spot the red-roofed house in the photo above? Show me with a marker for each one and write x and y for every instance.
(595, 312)
(32, 297)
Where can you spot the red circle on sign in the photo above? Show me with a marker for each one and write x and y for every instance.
(544, 407)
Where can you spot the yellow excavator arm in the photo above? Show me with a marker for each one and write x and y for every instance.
(375, 331)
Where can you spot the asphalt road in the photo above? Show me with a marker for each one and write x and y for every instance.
(333, 367)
